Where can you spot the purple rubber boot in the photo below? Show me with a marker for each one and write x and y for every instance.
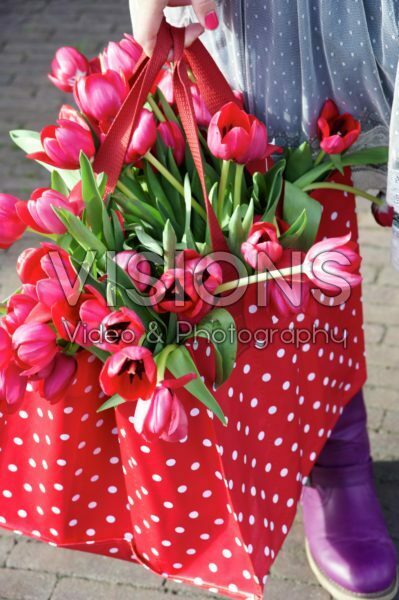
(347, 542)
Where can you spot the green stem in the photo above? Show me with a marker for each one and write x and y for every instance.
(161, 359)
(173, 181)
(319, 158)
(51, 236)
(222, 187)
(330, 185)
(238, 185)
(258, 278)
(125, 190)
(155, 108)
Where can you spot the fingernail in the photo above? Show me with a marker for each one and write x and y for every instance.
(211, 21)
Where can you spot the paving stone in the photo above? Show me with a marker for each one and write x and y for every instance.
(25, 585)
(81, 589)
(277, 589)
(6, 545)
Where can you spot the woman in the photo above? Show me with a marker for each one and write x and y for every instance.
(288, 56)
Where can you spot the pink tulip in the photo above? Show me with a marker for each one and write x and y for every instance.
(235, 135)
(289, 295)
(19, 307)
(143, 138)
(383, 214)
(6, 353)
(100, 96)
(11, 226)
(206, 272)
(35, 263)
(68, 66)
(122, 57)
(92, 312)
(172, 137)
(131, 373)
(333, 264)
(165, 84)
(12, 385)
(120, 329)
(63, 144)
(136, 266)
(60, 377)
(262, 246)
(68, 113)
(163, 416)
(202, 114)
(38, 212)
(35, 346)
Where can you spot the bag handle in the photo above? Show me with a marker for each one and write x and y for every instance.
(213, 87)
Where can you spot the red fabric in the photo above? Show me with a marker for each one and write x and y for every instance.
(212, 511)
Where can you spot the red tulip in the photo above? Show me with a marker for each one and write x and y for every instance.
(173, 138)
(19, 307)
(262, 246)
(121, 57)
(100, 96)
(136, 266)
(63, 144)
(235, 135)
(38, 212)
(92, 312)
(121, 328)
(207, 273)
(333, 261)
(35, 346)
(68, 65)
(163, 416)
(336, 132)
(202, 114)
(289, 295)
(12, 385)
(57, 381)
(131, 373)
(143, 138)
(36, 263)
(383, 214)
(11, 226)
(6, 353)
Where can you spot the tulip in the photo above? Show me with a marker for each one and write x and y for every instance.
(121, 57)
(163, 416)
(68, 65)
(12, 385)
(67, 319)
(235, 135)
(165, 84)
(38, 212)
(202, 114)
(11, 226)
(95, 65)
(206, 272)
(262, 246)
(6, 353)
(92, 312)
(63, 144)
(35, 345)
(173, 138)
(143, 138)
(59, 378)
(383, 214)
(100, 96)
(333, 261)
(176, 292)
(38, 263)
(19, 307)
(136, 266)
(121, 328)
(289, 295)
(131, 373)
(68, 113)
(336, 132)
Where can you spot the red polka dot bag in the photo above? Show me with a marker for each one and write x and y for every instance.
(179, 432)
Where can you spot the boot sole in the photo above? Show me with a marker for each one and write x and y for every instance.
(340, 593)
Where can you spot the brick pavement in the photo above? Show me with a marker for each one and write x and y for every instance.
(31, 30)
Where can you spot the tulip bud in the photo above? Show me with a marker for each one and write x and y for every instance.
(143, 138)
(12, 385)
(60, 377)
(38, 212)
(173, 138)
(68, 65)
(337, 132)
(383, 214)
(11, 226)
(136, 266)
(121, 57)
(162, 417)
(35, 346)
(262, 246)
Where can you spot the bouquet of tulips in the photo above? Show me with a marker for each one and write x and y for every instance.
(128, 274)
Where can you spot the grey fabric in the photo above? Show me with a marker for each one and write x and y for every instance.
(288, 56)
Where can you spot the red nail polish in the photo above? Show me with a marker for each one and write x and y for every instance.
(211, 21)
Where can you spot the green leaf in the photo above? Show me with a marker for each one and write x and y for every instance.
(98, 353)
(58, 184)
(188, 236)
(236, 232)
(273, 180)
(166, 107)
(290, 238)
(169, 245)
(209, 328)
(295, 202)
(300, 161)
(83, 236)
(29, 142)
(180, 363)
(112, 402)
(91, 196)
(140, 210)
(118, 233)
(148, 241)
(336, 159)
(248, 219)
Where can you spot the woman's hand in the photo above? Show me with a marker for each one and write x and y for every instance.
(148, 15)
